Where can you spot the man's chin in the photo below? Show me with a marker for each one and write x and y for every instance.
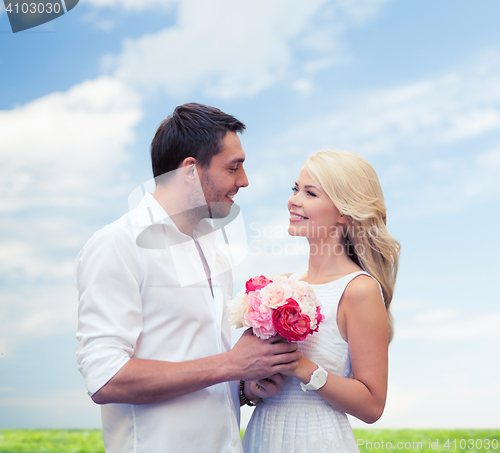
(219, 210)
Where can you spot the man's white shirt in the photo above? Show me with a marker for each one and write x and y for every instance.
(153, 301)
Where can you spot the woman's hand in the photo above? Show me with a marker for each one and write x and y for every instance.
(264, 388)
(304, 370)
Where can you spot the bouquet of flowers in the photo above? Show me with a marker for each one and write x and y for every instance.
(276, 306)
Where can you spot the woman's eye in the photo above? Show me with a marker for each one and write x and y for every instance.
(311, 193)
(294, 189)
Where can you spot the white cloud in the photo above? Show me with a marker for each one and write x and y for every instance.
(419, 117)
(425, 378)
(303, 86)
(248, 53)
(395, 173)
(483, 326)
(483, 181)
(59, 149)
(473, 182)
(434, 404)
(105, 25)
(440, 110)
(28, 259)
(36, 312)
(430, 320)
(62, 408)
(407, 305)
(56, 153)
(252, 48)
(360, 10)
(435, 316)
(133, 5)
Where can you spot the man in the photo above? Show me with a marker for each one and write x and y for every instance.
(154, 342)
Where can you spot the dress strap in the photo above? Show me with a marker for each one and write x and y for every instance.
(350, 277)
(346, 279)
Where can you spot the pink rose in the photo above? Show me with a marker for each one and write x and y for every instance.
(257, 283)
(254, 300)
(290, 322)
(319, 318)
(275, 294)
(295, 284)
(260, 318)
(265, 331)
(310, 294)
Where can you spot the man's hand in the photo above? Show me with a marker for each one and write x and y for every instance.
(264, 388)
(252, 359)
(142, 381)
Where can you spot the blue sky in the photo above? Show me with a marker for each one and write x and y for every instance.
(412, 86)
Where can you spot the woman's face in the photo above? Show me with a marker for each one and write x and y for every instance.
(312, 212)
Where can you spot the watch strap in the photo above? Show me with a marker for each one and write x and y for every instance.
(310, 385)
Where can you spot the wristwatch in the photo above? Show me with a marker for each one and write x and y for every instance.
(318, 380)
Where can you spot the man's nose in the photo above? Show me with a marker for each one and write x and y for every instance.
(243, 180)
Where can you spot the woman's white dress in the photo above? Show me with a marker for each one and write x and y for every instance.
(295, 421)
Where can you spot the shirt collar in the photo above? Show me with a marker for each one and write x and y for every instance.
(150, 215)
(149, 211)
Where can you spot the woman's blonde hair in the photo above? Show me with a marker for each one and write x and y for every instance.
(353, 186)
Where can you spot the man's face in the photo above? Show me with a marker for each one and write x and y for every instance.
(224, 176)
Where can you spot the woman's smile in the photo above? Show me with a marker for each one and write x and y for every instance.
(294, 217)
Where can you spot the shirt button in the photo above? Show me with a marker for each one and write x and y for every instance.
(234, 443)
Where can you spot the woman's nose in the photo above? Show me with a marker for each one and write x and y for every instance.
(294, 200)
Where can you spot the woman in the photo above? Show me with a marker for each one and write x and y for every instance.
(338, 205)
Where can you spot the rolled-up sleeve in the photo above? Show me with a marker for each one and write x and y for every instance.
(108, 275)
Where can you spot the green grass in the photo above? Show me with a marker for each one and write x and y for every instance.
(51, 441)
(90, 441)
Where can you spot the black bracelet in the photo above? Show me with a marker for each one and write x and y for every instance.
(243, 398)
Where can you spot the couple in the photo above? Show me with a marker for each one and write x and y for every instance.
(154, 339)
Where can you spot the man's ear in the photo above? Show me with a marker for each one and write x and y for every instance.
(188, 169)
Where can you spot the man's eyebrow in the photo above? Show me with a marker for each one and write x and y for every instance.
(237, 160)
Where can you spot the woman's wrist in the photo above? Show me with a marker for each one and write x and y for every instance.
(247, 390)
(305, 369)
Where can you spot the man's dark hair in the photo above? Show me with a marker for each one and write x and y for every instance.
(193, 130)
